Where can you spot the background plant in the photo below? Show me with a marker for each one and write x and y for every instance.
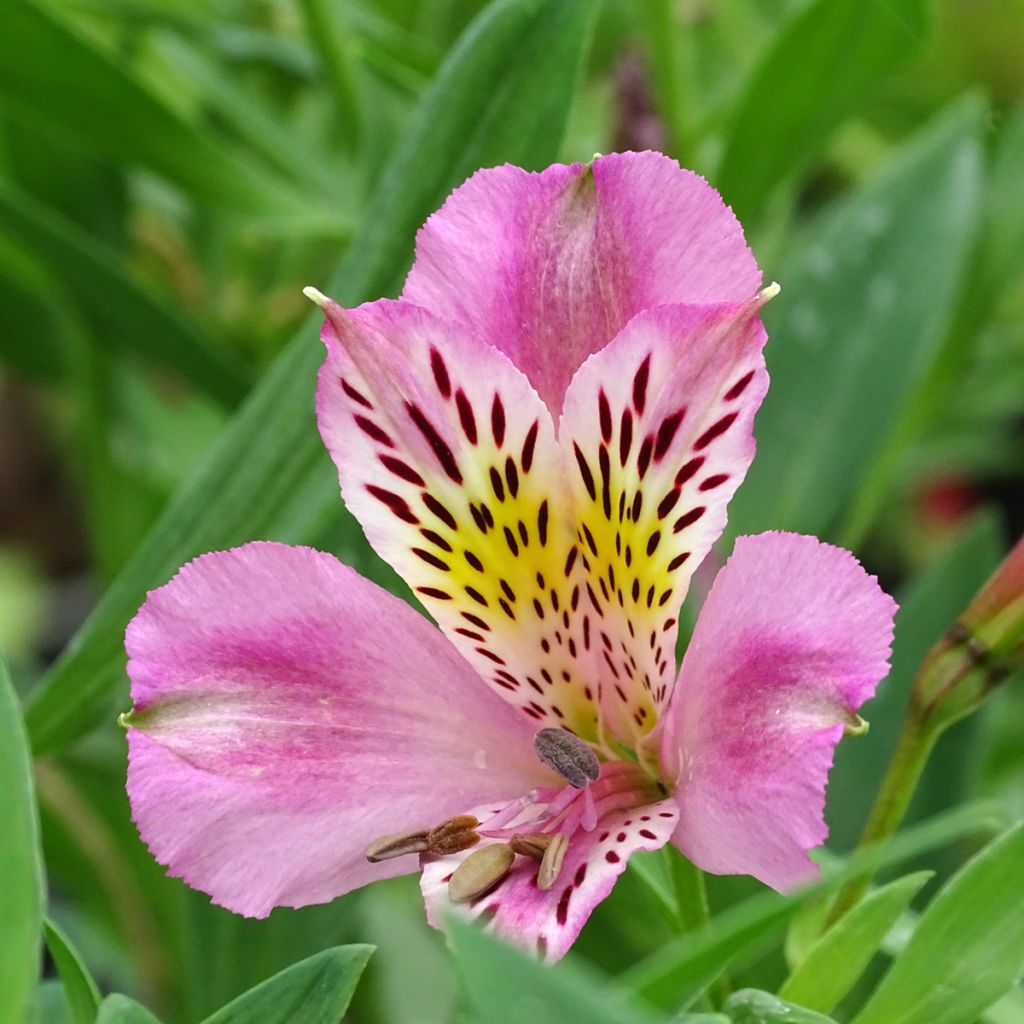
(173, 172)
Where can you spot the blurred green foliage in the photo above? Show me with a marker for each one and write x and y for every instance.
(172, 172)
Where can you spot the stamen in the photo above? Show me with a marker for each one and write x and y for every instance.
(454, 835)
(551, 863)
(533, 844)
(480, 872)
(568, 755)
(397, 845)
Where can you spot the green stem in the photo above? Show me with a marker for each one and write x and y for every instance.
(694, 912)
(908, 761)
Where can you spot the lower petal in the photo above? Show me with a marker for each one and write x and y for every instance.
(549, 921)
(792, 639)
(289, 712)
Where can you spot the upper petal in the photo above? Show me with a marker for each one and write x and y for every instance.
(657, 434)
(447, 457)
(793, 638)
(288, 712)
(550, 266)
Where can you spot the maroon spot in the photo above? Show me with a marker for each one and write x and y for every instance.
(545, 644)
(645, 817)
(497, 485)
(462, 631)
(739, 387)
(606, 493)
(476, 620)
(506, 608)
(507, 683)
(354, 395)
(652, 542)
(431, 559)
(643, 460)
(524, 534)
(397, 504)
(713, 481)
(510, 540)
(437, 443)
(625, 436)
(441, 379)
(635, 590)
(588, 477)
(371, 429)
(539, 609)
(678, 561)
(439, 510)
(689, 469)
(478, 518)
(448, 877)
(668, 502)
(621, 837)
(474, 561)
(496, 658)
(666, 433)
(647, 833)
(466, 417)
(528, 446)
(663, 600)
(640, 385)
(591, 543)
(441, 595)
(498, 421)
(581, 873)
(436, 539)
(612, 857)
(542, 526)
(562, 910)
(487, 914)
(715, 430)
(476, 595)
(664, 814)
(402, 470)
(533, 682)
(604, 413)
(689, 518)
(511, 476)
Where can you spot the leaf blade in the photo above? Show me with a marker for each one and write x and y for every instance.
(81, 991)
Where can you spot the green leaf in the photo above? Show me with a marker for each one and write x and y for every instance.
(118, 1009)
(751, 1006)
(314, 991)
(52, 75)
(863, 311)
(505, 986)
(839, 957)
(82, 994)
(21, 872)
(268, 474)
(822, 67)
(968, 948)
(123, 314)
(679, 971)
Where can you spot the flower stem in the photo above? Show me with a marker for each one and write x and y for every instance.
(915, 744)
(694, 912)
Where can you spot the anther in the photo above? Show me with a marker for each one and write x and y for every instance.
(551, 863)
(532, 844)
(397, 845)
(480, 872)
(454, 835)
(568, 755)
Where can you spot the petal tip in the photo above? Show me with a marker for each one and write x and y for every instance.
(316, 296)
(769, 292)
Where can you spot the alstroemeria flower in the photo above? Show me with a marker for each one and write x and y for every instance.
(541, 436)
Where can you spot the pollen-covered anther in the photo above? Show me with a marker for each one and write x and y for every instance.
(532, 844)
(480, 872)
(454, 835)
(568, 755)
(398, 844)
(551, 862)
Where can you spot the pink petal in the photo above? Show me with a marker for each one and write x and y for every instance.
(549, 267)
(548, 922)
(288, 712)
(793, 638)
(657, 434)
(447, 457)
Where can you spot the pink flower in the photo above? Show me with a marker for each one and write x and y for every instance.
(542, 437)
